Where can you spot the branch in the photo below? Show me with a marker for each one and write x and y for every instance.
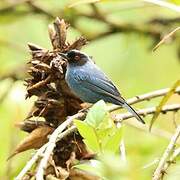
(166, 37)
(160, 169)
(144, 97)
(31, 162)
(58, 134)
(146, 111)
(113, 27)
(118, 27)
(172, 159)
(145, 29)
(52, 143)
(40, 151)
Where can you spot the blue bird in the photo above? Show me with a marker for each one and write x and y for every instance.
(90, 84)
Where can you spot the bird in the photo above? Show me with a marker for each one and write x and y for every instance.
(88, 82)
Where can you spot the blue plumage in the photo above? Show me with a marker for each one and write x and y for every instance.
(89, 83)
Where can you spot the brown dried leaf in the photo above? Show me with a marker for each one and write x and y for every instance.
(78, 43)
(30, 125)
(34, 47)
(57, 63)
(62, 30)
(34, 140)
(32, 89)
(52, 34)
(59, 39)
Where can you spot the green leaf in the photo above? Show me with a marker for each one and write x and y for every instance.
(106, 123)
(113, 142)
(104, 135)
(105, 130)
(163, 102)
(98, 130)
(96, 114)
(89, 135)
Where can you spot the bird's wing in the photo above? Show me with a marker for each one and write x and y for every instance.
(100, 83)
(105, 87)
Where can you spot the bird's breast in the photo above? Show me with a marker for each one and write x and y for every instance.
(71, 78)
(74, 78)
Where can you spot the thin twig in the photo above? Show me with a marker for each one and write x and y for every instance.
(113, 27)
(64, 134)
(144, 97)
(172, 159)
(163, 101)
(160, 169)
(58, 132)
(40, 153)
(31, 162)
(146, 111)
(144, 29)
(52, 143)
(58, 135)
(166, 37)
(155, 161)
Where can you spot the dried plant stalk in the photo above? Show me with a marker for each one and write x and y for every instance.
(54, 101)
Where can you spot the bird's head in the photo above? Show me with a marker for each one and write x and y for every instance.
(75, 57)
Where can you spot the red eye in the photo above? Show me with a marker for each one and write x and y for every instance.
(77, 57)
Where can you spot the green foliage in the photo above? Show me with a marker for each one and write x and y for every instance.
(99, 131)
(97, 113)
(100, 134)
(108, 167)
(89, 135)
(163, 102)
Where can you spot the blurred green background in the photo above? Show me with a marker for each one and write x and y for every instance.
(127, 59)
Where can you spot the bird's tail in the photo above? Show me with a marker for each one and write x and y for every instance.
(131, 110)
